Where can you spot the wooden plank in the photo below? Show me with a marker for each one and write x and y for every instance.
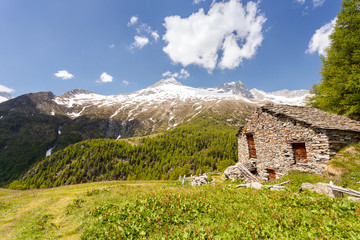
(345, 190)
(251, 145)
(272, 174)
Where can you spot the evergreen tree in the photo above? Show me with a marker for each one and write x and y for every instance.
(339, 89)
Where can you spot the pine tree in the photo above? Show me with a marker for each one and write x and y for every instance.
(339, 89)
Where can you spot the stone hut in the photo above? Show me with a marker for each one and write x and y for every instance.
(280, 138)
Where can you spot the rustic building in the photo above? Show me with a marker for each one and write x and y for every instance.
(280, 138)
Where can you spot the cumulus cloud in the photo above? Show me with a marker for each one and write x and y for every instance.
(133, 20)
(125, 82)
(139, 42)
(5, 89)
(64, 75)
(320, 40)
(230, 28)
(183, 74)
(105, 78)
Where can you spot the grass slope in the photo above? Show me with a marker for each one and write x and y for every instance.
(167, 210)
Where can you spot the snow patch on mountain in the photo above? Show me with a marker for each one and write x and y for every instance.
(295, 97)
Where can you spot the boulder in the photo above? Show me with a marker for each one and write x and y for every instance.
(322, 188)
(255, 185)
(198, 181)
(234, 172)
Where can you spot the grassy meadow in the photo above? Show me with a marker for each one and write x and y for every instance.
(168, 210)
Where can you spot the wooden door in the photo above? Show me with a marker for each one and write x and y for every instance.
(251, 145)
(300, 153)
(272, 174)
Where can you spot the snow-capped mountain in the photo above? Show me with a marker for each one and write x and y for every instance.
(237, 88)
(163, 105)
(295, 97)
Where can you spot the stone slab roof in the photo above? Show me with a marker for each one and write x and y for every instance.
(314, 117)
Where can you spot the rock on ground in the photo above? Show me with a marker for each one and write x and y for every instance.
(322, 188)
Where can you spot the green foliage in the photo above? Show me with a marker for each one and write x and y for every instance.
(44, 222)
(339, 89)
(23, 141)
(26, 137)
(185, 150)
(344, 167)
(297, 178)
(167, 210)
(225, 213)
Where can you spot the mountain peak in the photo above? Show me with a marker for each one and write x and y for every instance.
(236, 88)
(168, 81)
(75, 92)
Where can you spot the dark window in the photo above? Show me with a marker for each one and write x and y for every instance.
(272, 174)
(300, 152)
(251, 145)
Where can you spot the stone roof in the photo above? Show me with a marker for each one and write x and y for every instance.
(314, 117)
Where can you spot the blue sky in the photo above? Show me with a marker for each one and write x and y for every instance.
(120, 46)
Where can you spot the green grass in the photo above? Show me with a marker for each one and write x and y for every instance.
(168, 210)
(344, 167)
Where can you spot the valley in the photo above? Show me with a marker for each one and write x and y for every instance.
(37, 124)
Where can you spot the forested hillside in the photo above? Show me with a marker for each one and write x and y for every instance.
(205, 144)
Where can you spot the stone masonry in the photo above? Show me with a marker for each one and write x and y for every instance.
(280, 138)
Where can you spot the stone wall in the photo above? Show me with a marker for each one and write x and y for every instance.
(340, 139)
(274, 136)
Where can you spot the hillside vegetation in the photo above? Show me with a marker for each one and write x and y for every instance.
(204, 145)
(168, 210)
(25, 138)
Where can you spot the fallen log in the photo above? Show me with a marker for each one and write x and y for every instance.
(344, 190)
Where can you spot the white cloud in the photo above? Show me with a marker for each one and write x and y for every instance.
(6, 89)
(155, 35)
(144, 35)
(111, 45)
(139, 42)
(183, 74)
(133, 20)
(125, 82)
(146, 29)
(228, 27)
(318, 3)
(104, 77)
(198, 1)
(63, 74)
(320, 40)
(300, 1)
